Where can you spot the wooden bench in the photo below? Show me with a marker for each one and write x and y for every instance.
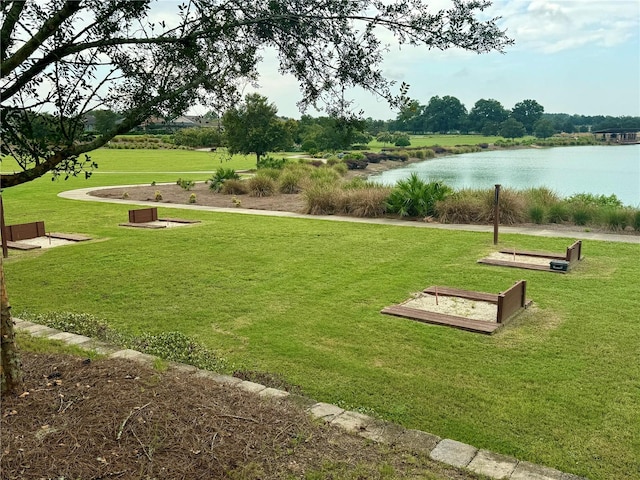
(509, 303)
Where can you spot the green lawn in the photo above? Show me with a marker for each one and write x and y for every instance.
(559, 386)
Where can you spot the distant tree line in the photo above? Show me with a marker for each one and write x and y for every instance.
(253, 126)
(490, 117)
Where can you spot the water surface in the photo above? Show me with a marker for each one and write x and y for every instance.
(601, 170)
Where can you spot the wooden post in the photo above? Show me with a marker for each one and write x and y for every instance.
(5, 251)
(496, 214)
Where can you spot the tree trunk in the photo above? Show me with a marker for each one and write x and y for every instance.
(10, 373)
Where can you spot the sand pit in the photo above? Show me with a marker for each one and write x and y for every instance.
(43, 242)
(460, 307)
(509, 257)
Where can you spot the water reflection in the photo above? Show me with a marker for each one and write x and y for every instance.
(566, 170)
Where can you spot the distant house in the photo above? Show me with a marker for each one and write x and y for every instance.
(618, 135)
(157, 124)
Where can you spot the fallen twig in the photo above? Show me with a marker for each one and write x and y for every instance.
(135, 410)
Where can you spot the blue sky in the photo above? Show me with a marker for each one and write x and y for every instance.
(571, 56)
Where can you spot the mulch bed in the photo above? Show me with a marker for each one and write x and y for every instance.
(113, 418)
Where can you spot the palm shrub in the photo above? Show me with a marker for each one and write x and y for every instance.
(220, 176)
(413, 197)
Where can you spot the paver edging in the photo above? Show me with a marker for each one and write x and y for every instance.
(448, 451)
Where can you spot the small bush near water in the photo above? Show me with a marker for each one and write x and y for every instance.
(413, 197)
(171, 346)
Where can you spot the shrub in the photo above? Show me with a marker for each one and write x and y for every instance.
(511, 203)
(289, 183)
(261, 186)
(272, 173)
(582, 215)
(324, 175)
(367, 202)
(234, 187)
(413, 197)
(635, 220)
(536, 214)
(323, 199)
(341, 168)
(158, 196)
(333, 160)
(464, 206)
(271, 162)
(186, 184)
(542, 196)
(192, 198)
(558, 213)
(595, 200)
(220, 176)
(358, 182)
(616, 218)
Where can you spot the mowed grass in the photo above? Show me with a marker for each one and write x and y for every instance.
(558, 386)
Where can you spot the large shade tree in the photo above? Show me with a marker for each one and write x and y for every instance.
(253, 127)
(69, 57)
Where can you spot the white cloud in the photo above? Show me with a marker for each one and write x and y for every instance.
(551, 26)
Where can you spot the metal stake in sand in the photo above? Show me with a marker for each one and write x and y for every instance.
(436, 295)
(496, 214)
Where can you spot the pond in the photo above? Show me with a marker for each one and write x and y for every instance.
(600, 170)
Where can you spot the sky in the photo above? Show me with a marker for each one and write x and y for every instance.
(571, 56)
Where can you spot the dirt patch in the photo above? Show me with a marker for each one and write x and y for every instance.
(204, 196)
(112, 418)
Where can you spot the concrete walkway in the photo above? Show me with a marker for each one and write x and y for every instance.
(447, 451)
(83, 194)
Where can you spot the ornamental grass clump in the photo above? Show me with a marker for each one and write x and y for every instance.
(261, 186)
(512, 206)
(234, 187)
(323, 199)
(464, 206)
(366, 202)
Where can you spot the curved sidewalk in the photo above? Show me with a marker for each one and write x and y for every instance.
(83, 194)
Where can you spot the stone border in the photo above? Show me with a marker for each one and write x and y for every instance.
(447, 451)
